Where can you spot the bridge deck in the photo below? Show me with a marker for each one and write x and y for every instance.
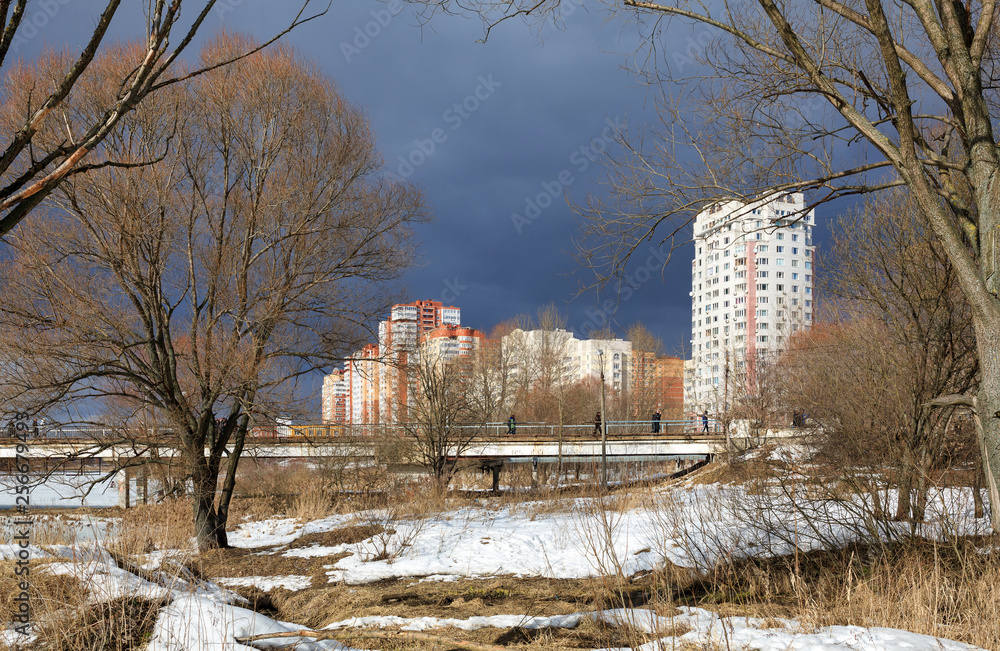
(490, 446)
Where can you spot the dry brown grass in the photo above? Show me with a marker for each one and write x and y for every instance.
(939, 590)
(926, 588)
(312, 503)
(123, 624)
(66, 618)
(47, 592)
(142, 529)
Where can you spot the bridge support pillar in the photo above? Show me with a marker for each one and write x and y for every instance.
(493, 466)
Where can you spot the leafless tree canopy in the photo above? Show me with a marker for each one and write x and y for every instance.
(31, 170)
(203, 286)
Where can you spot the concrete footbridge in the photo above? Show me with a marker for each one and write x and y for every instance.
(528, 442)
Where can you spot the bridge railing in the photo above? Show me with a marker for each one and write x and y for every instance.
(497, 431)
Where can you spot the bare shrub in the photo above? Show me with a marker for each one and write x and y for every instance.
(395, 531)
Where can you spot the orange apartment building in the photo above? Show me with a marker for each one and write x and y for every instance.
(372, 386)
(447, 342)
(335, 397)
(669, 374)
(661, 379)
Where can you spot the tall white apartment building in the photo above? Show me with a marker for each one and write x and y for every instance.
(751, 288)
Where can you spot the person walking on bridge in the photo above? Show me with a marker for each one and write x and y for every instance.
(512, 425)
(597, 424)
(656, 421)
(704, 422)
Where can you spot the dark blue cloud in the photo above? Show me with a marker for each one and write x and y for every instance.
(488, 130)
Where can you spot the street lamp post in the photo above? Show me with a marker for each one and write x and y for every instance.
(604, 428)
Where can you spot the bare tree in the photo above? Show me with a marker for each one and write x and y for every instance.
(543, 366)
(31, 169)
(644, 393)
(889, 273)
(206, 285)
(492, 370)
(443, 422)
(775, 98)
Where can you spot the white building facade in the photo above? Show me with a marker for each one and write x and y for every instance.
(579, 359)
(751, 289)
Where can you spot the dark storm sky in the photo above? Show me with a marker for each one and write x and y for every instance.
(482, 128)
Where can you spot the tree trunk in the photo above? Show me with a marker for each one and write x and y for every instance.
(988, 404)
(559, 466)
(205, 517)
(920, 504)
(229, 483)
(905, 486)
